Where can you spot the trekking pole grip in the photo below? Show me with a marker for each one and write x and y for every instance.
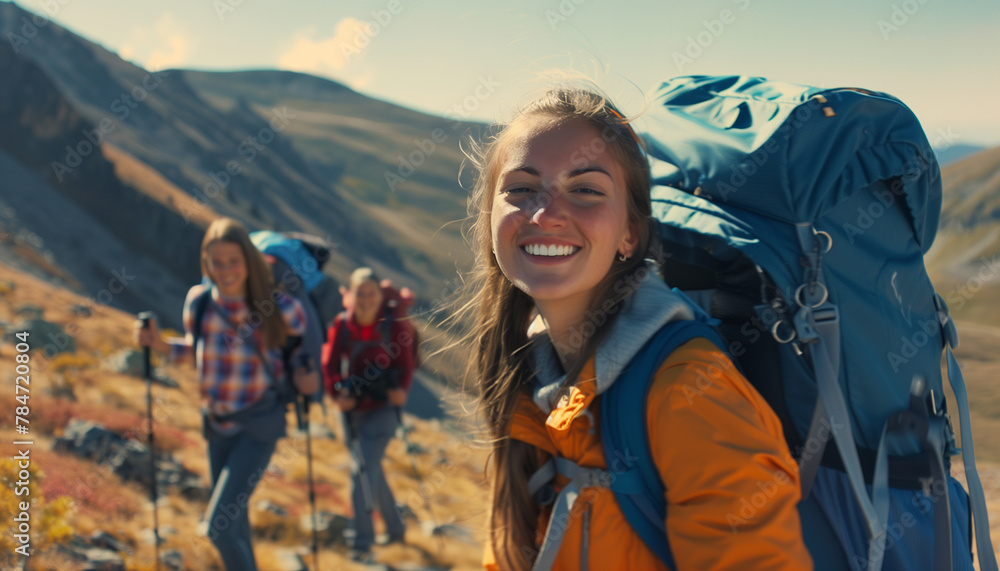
(147, 368)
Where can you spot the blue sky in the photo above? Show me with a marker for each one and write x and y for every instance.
(481, 59)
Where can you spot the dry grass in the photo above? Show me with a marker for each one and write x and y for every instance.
(449, 475)
(103, 502)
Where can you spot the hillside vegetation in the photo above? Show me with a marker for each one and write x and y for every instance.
(83, 498)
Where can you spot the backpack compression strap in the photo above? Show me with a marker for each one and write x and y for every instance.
(625, 437)
(540, 488)
(977, 498)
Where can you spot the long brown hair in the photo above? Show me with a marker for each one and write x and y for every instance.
(501, 313)
(260, 284)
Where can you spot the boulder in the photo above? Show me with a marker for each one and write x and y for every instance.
(30, 311)
(289, 560)
(128, 458)
(132, 362)
(82, 310)
(48, 337)
(91, 558)
(173, 560)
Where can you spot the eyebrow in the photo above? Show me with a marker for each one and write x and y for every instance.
(573, 173)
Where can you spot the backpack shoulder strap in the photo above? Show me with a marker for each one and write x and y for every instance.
(625, 438)
(385, 327)
(198, 307)
(343, 335)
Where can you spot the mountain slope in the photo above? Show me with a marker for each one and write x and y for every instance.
(152, 157)
(85, 220)
(383, 158)
(964, 262)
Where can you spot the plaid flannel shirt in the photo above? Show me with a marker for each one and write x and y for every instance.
(231, 373)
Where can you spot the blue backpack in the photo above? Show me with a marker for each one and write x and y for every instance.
(798, 218)
(297, 268)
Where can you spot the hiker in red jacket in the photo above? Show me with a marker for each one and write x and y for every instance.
(368, 368)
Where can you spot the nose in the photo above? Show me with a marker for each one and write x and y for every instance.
(550, 210)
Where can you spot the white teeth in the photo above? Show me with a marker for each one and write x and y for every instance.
(549, 251)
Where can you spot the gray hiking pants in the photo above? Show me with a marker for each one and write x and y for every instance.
(368, 433)
(237, 464)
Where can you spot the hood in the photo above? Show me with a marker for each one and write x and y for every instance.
(642, 314)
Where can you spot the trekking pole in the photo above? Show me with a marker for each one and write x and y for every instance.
(427, 503)
(147, 373)
(302, 403)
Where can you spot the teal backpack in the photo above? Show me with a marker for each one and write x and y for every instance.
(797, 218)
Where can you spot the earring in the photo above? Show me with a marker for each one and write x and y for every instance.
(622, 257)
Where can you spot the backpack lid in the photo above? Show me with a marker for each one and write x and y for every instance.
(721, 138)
(293, 252)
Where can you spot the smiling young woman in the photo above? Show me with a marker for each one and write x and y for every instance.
(238, 358)
(562, 298)
(560, 219)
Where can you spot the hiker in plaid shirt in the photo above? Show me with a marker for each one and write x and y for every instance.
(236, 344)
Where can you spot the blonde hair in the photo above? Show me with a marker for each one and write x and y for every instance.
(501, 313)
(362, 275)
(260, 284)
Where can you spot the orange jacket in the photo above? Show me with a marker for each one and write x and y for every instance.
(731, 484)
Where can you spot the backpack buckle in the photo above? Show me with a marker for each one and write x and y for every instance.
(948, 329)
(821, 320)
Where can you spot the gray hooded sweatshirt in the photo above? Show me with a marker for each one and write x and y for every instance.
(641, 316)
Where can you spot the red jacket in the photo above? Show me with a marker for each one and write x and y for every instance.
(373, 350)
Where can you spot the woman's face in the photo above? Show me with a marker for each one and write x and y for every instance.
(227, 268)
(560, 214)
(367, 300)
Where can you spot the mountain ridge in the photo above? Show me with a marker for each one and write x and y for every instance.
(274, 149)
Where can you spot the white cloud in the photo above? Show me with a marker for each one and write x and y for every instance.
(173, 58)
(164, 46)
(324, 56)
